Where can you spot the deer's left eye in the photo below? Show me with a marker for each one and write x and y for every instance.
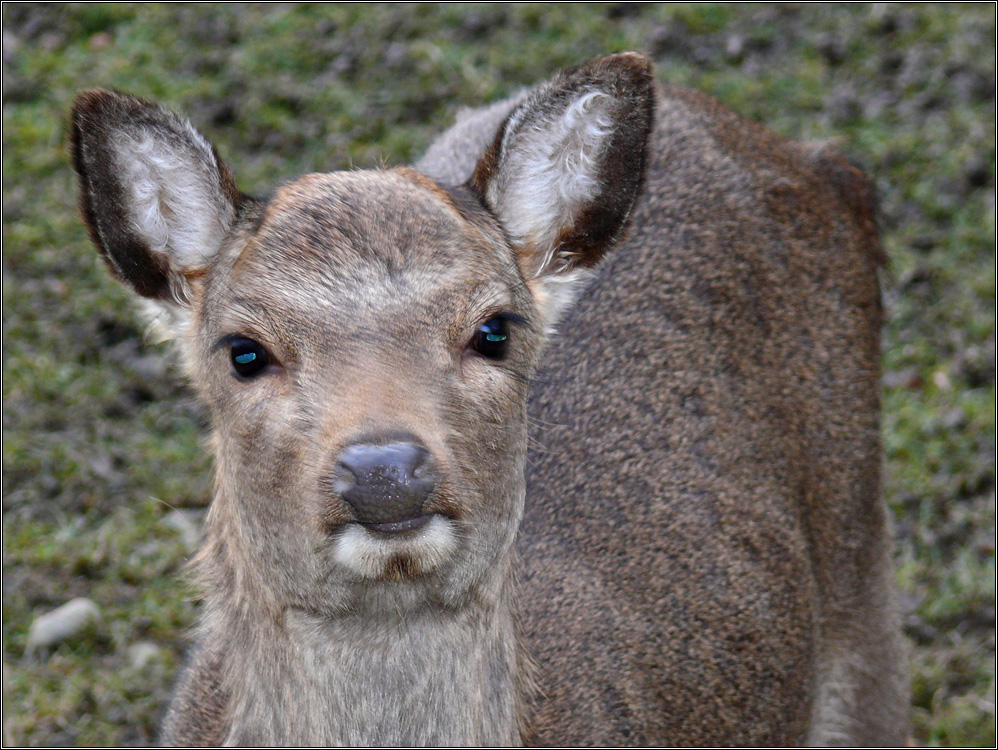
(492, 338)
(249, 358)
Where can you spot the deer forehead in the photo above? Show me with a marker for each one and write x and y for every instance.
(350, 249)
(349, 220)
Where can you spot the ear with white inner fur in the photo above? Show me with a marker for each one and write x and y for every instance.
(156, 199)
(565, 169)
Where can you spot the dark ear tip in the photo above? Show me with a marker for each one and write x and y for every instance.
(631, 69)
(97, 110)
(89, 108)
(635, 62)
(91, 101)
(87, 97)
(92, 108)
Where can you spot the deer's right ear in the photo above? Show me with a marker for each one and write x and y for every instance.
(154, 195)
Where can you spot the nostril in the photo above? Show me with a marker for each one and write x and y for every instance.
(384, 484)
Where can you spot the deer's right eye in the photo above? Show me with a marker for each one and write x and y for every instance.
(249, 358)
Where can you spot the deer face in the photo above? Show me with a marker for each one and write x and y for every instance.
(365, 342)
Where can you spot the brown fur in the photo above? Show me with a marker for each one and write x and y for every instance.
(717, 439)
(694, 548)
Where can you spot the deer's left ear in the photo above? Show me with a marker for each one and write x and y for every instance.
(564, 170)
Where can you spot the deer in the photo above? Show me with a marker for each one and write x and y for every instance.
(568, 434)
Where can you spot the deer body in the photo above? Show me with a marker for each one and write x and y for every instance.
(694, 549)
(727, 544)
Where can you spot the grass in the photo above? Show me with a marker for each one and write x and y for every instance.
(101, 440)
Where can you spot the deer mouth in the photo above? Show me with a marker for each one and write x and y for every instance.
(396, 550)
(399, 527)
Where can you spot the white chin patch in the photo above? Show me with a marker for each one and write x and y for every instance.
(370, 554)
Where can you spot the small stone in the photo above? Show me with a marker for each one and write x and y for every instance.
(101, 40)
(344, 63)
(142, 653)
(941, 379)
(60, 624)
(734, 48)
(396, 55)
(11, 46)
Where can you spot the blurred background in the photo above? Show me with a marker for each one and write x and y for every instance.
(105, 477)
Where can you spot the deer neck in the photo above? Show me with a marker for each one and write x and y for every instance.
(432, 676)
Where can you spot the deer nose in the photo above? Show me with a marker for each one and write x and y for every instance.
(386, 485)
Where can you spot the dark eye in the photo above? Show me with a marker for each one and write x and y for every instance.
(248, 357)
(492, 338)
